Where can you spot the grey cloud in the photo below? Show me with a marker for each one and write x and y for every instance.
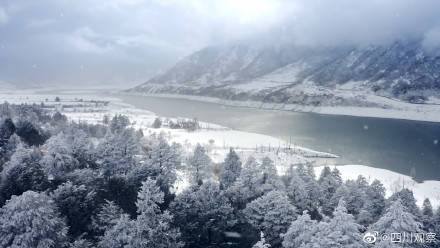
(3, 16)
(128, 41)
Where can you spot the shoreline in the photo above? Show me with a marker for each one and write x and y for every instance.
(420, 112)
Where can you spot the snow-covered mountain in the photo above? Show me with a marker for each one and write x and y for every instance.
(304, 75)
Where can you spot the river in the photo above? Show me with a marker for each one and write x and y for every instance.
(407, 147)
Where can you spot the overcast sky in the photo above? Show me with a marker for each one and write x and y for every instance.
(91, 42)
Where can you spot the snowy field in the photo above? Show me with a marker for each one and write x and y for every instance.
(90, 107)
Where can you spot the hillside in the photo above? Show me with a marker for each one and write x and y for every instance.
(288, 74)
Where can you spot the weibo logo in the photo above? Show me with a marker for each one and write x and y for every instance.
(370, 238)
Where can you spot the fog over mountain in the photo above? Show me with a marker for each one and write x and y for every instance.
(124, 43)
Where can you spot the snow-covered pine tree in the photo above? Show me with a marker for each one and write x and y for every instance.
(314, 192)
(427, 208)
(153, 227)
(407, 199)
(9, 148)
(107, 217)
(300, 232)
(353, 195)
(117, 151)
(337, 175)
(296, 191)
(341, 231)
(374, 203)
(203, 214)
(31, 220)
(23, 172)
(230, 170)
(58, 159)
(80, 243)
(396, 219)
(329, 184)
(119, 234)
(428, 220)
(77, 204)
(436, 220)
(82, 147)
(162, 161)
(269, 178)
(261, 243)
(118, 123)
(199, 165)
(247, 186)
(157, 123)
(272, 214)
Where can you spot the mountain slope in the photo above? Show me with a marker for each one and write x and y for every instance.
(299, 75)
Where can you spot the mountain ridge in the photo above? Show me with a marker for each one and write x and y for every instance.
(303, 75)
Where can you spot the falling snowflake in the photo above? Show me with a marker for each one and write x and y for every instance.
(365, 127)
(435, 142)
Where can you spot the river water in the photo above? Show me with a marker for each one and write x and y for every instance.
(407, 147)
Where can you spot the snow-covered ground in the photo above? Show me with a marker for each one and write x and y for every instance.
(392, 181)
(90, 107)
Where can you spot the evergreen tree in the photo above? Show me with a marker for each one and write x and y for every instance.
(374, 203)
(119, 234)
(162, 162)
(300, 232)
(428, 220)
(31, 220)
(107, 217)
(353, 195)
(272, 214)
(122, 191)
(9, 148)
(119, 123)
(341, 231)
(157, 123)
(203, 215)
(77, 204)
(247, 187)
(261, 243)
(80, 243)
(82, 148)
(407, 199)
(58, 159)
(396, 219)
(152, 227)
(269, 178)
(200, 165)
(117, 152)
(329, 183)
(30, 134)
(7, 129)
(436, 221)
(427, 208)
(337, 175)
(312, 188)
(22, 173)
(296, 191)
(230, 170)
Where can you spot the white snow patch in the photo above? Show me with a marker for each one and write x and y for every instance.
(392, 181)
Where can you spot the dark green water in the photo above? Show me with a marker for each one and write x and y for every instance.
(402, 146)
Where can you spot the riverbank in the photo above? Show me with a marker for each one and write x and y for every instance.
(394, 110)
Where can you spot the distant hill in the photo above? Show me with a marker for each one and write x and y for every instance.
(302, 75)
